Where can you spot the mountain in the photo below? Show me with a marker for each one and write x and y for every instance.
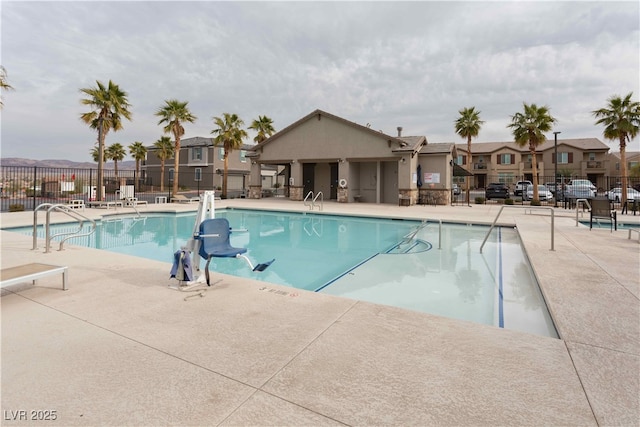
(16, 161)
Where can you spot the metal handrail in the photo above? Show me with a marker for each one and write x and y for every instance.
(425, 222)
(309, 194)
(585, 201)
(313, 203)
(65, 210)
(493, 224)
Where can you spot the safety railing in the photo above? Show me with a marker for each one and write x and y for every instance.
(47, 226)
(493, 224)
(578, 201)
(425, 222)
(313, 200)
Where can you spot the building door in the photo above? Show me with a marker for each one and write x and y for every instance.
(334, 182)
(308, 175)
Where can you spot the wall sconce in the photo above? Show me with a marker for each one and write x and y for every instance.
(292, 162)
(403, 160)
(342, 160)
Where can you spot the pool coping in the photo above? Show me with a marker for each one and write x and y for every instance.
(595, 358)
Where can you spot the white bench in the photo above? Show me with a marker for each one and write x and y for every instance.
(31, 272)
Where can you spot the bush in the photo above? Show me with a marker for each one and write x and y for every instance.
(17, 207)
(479, 200)
(508, 201)
(535, 203)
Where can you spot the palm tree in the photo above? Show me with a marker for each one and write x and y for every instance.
(3, 82)
(115, 152)
(95, 154)
(174, 113)
(263, 125)
(621, 119)
(139, 152)
(164, 150)
(467, 126)
(229, 134)
(528, 128)
(109, 106)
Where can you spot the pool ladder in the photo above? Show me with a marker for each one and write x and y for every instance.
(50, 207)
(312, 203)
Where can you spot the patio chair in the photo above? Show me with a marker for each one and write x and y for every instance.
(214, 242)
(601, 209)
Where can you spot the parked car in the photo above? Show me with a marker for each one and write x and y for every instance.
(496, 190)
(579, 193)
(543, 193)
(521, 187)
(615, 194)
(582, 186)
(456, 189)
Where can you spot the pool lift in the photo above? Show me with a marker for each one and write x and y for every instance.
(210, 239)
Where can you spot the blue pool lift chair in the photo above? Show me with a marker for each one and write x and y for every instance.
(214, 242)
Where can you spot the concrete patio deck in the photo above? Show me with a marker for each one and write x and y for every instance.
(122, 348)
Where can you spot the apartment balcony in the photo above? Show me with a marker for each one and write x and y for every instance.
(595, 165)
(479, 166)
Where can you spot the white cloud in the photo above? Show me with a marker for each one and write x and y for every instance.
(410, 64)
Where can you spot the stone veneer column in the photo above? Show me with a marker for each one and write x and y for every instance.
(295, 192)
(255, 191)
(343, 195)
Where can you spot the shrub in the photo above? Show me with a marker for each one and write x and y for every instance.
(479, 200)
(17, 207)
(508, 201)
(535, 203)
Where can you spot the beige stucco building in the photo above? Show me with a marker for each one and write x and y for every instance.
(348, 162)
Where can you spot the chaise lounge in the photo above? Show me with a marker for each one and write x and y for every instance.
(180, 198)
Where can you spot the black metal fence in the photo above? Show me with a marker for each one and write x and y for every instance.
(25, 187)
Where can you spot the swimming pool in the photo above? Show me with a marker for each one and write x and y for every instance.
(385, 261)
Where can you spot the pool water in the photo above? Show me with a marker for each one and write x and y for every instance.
(384, 261)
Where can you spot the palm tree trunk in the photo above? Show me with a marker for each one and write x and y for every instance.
(534, 170)
(176, 166)
(468, 178)
(224, 176)
(162, 175)
(99, 195)
(623, 165)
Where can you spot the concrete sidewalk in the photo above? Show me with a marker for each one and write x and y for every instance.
(122, 348)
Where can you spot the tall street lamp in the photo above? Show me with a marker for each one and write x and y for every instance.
(555, 163)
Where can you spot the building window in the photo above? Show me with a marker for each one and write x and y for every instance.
(243, 156)
(196, 154)
(506, 159)
(198, 174)
(592, 157)
(461, 160)
(171, 172)
(221, 153)
(565, 158)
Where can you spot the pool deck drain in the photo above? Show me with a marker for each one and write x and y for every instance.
(122, 348)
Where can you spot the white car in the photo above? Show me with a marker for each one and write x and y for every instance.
(543, 193)
(615, 194)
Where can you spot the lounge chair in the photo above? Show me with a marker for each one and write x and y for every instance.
(180, 198)
(31, 272)
(601, 209)
(214, 242)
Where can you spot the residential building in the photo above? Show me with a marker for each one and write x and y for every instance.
(506, 162)
(349, 162)
(201, 167)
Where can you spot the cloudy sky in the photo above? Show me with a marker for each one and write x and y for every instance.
(389, 64)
